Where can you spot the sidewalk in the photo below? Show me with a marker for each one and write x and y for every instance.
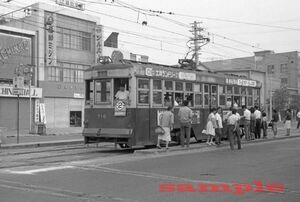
(295, 133)
(54, 136)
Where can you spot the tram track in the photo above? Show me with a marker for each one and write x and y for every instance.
(58, 155)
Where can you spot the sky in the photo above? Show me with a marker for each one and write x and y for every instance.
(236, 28)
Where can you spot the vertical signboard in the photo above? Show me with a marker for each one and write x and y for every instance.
(50, 27)
(37, 111)
(43, 113)
(98, 43)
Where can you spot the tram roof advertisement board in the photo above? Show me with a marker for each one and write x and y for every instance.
(158, 72)
(14, 50)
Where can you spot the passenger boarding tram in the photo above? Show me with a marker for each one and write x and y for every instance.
(151, 88)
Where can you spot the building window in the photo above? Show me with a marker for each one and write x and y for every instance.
(283, 68)
(102, 91)
(66, 72)
(73, 39)
(271, 69)
(283, 81)
(75, 118)
(51, 74)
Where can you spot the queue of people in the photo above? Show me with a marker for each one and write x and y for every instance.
(250, 124)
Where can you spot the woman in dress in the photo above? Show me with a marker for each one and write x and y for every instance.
(166, 122)
(210, 126)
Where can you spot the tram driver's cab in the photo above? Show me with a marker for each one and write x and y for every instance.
(121, 89)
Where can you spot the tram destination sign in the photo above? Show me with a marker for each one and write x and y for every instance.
(156, 72)
(241, 82)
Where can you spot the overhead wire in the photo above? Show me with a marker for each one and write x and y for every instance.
(182, 24)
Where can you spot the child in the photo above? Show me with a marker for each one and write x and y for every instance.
(264, 124)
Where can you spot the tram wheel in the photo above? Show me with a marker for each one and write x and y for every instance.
(123, 145)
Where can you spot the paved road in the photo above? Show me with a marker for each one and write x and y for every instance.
(130, 177)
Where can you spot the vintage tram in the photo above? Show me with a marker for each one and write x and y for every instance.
(153, 87)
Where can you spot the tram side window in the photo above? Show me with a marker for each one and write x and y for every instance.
(89, 92)
(168, 85)
(249, 98)
(189, 95)
(179, 96)
(198, 94)
(168, 94)
(250, 92)
(229, 96)
(157, 92)
(243, 98)
(222, 96)
(206, 94)
(237, 96)
(102, 91)
(250, 101)
(214, 98)
(256, 96)
(143, 91)
(236, 101)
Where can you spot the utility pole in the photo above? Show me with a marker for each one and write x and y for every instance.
(198, 40)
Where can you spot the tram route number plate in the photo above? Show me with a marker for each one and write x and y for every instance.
(120, 108)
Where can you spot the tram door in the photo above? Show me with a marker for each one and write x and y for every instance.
(142, 118)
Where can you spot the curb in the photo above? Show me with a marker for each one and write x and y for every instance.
(41, 144)
(205, 147)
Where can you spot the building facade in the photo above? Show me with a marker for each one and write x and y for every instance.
(280, 70)
(69, 42)
(17, 55)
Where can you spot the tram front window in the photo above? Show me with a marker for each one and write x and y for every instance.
(102, 91)
(121, 89)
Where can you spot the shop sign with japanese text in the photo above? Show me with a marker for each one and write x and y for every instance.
(241, 82)
(156, 72)
(7, 91)
(50, 25)
(98, 43)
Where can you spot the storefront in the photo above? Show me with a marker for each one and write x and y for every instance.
(9, 106)
(64, 112)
